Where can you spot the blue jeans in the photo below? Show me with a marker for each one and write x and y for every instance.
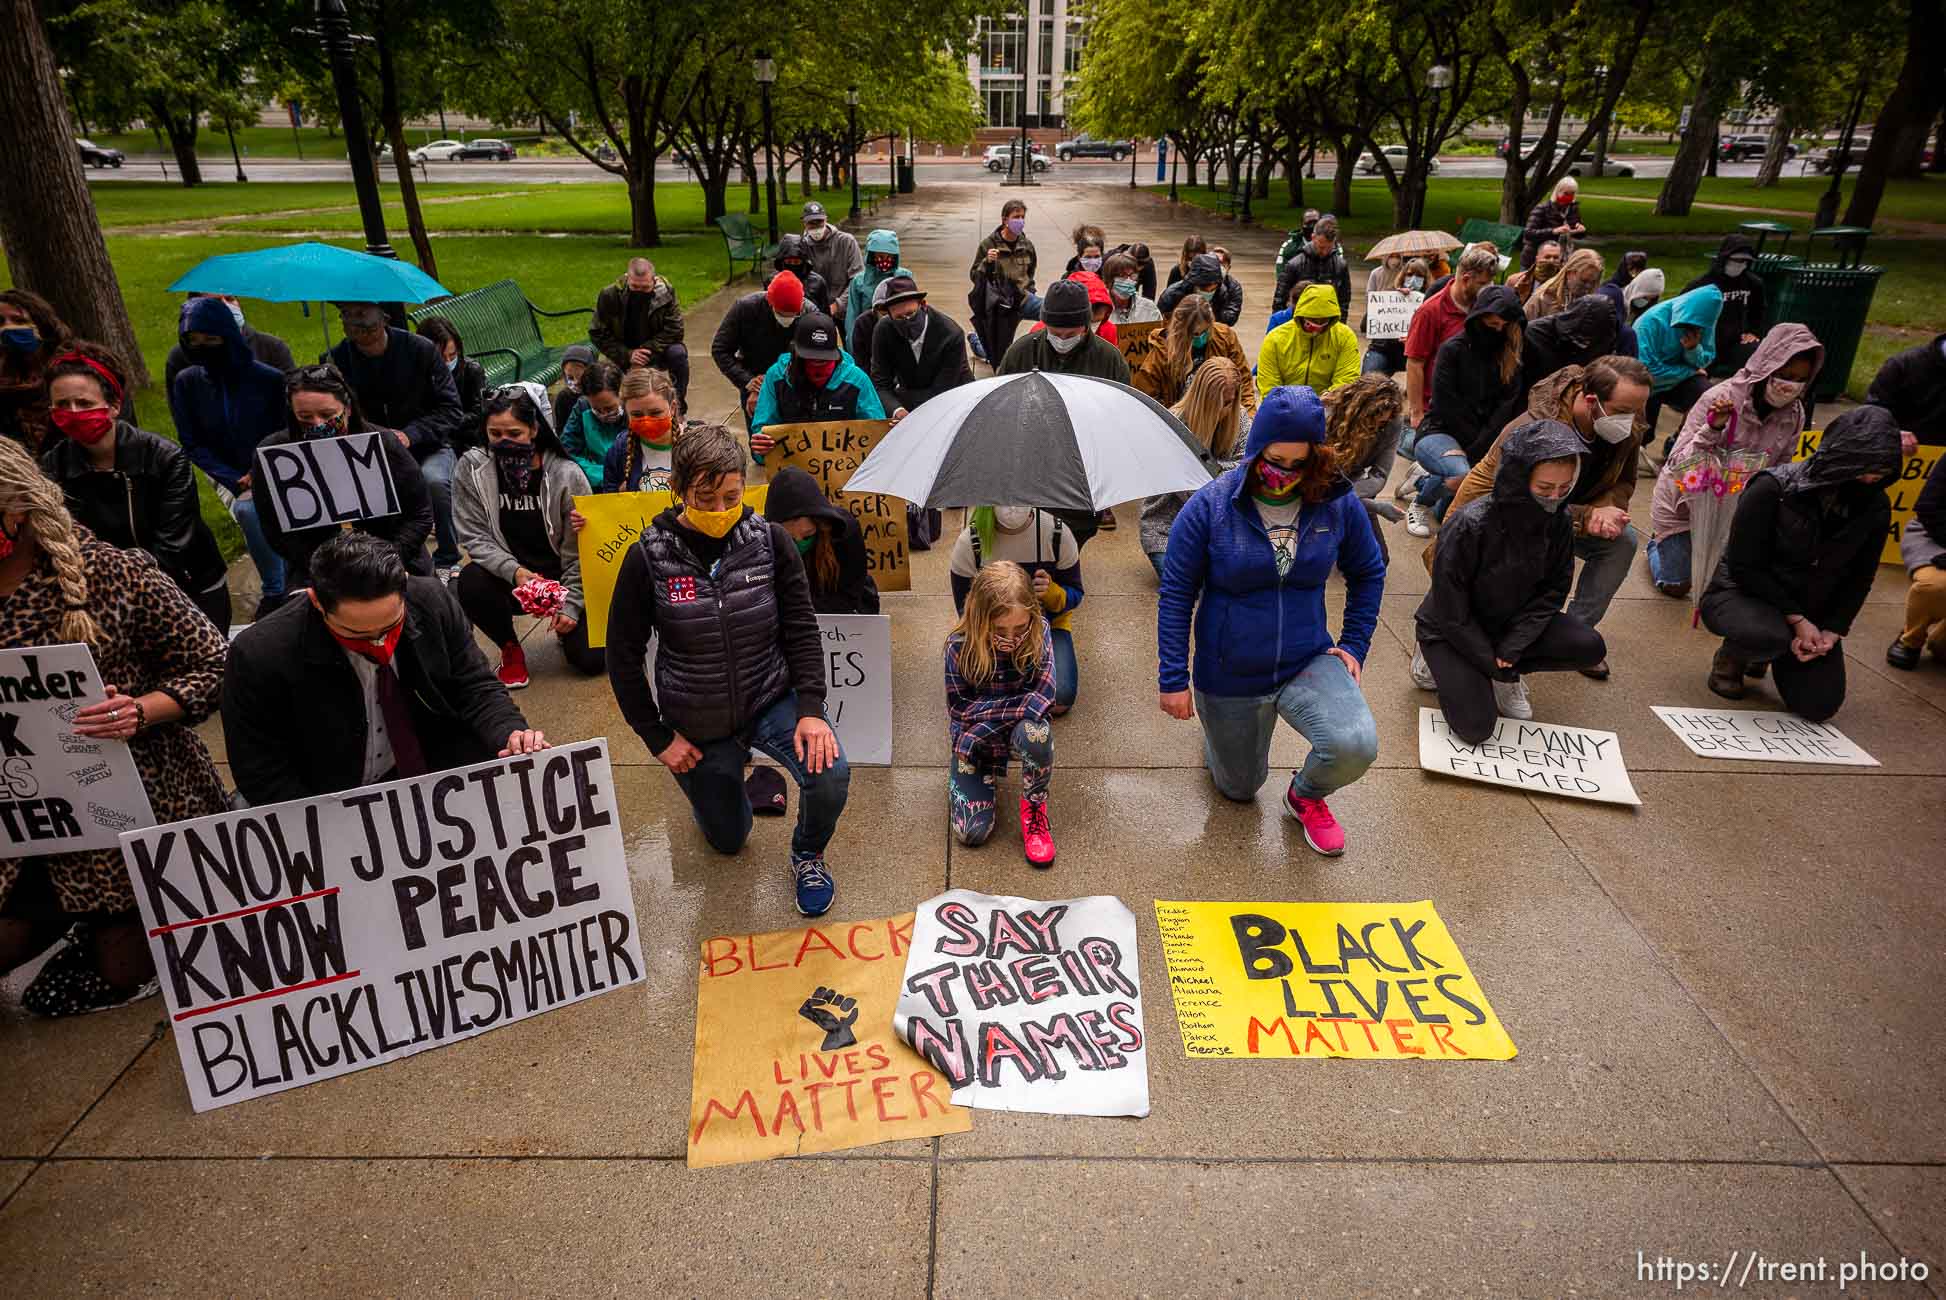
(1157, 558)
(1031, 308)
(1606, 562)
(270, 565)
(1322, 704)
(438, 468)
(1067, 671)
(1440, 455)
(1669, 558)
(722, 807)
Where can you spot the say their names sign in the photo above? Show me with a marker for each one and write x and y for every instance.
(1026, 1005)
(1762, 737)
(315, 482)
(1388, 313)
(60, 791)
(831, 454)
(305, 940)
(1540, 756)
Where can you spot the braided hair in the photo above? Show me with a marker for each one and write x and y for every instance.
(25, 489)
(640, 382)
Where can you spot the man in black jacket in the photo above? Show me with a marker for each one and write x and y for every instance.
(755, 332)
(638, 322)
(1207, 277)
(402, 384)
(917, 351)
(1319, 260)
(374, 677)
(1912, 385)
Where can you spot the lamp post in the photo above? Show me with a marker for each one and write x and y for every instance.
(1828, 204)
(765, 70)
(1438, 78)
(851, 146)
(334, 30)
(1601, 128)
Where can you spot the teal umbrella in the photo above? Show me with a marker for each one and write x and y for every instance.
(309, 271)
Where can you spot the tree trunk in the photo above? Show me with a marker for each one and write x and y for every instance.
(48, 224)
(1513, 181)
(1698, 147)
(182, 143)
(393, 122)
(644, 231)
(755, 179)
(1404, 199)
(1774, 149)
(1908, 100)
(1345, 148)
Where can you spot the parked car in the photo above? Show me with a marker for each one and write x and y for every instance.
(1396, 155)
(1749, 148)
(437, 151)
(484, 149)
(1825, 160)
(1086, 146)
(95, 155)
(1000, 157)
(1609, 168)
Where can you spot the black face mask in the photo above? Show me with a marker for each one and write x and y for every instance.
(515, 462)
(210, 356)
(911, 326)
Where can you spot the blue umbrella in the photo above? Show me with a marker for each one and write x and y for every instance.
(302, 272)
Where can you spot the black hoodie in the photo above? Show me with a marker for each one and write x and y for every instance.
(1469, 398)
(1574, 336)
(794, 494)
(1744, 310)
(1504, 564)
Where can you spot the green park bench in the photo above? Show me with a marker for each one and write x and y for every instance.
(502, 331)
(740, 241)
(1502, 236)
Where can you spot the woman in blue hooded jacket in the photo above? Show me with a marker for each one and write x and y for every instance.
(881, 261)
(1676, 340)
(224, 403)
(1249, 555)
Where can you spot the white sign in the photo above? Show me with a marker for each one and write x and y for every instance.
(1539, 756)
(1762, 737)
(1028, 1006)
(857, 683)
(60, 791)
(304, 940)
(319, 481)
(1388, 313)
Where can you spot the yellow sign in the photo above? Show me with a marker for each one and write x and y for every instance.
(1136, 338)
(795, 1052)
(1904, 492)
(1369, 981)
(831, 454)
(615, 520)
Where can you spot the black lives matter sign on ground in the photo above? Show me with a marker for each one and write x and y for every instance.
(308, 939)
(60, 791)
(320, 481)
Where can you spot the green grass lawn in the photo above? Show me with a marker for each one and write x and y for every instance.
(1920, 200)
(144, 203)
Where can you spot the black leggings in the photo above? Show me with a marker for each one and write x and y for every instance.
(490, 606)
(1755, 632)
(32, 919)
(1678, 399)
(215, 603)
(1466, 693)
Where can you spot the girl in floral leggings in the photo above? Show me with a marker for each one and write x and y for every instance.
(999, 691)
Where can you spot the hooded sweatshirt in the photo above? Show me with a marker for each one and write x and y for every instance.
(1293, 355)
(794, 494)
(1469, 397)
(1752, 425)
(1574, 336)
(858, 297)
(1098, 296)
(224, 404)
(1807, 536)
(1744, 310)
(1257, 628)
(1659, 348)
(1912, 385)
(477, 506)
(1504, 564)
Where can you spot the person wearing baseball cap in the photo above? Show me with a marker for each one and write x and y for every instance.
(833, 254)
(814, 381)
(1068, 345)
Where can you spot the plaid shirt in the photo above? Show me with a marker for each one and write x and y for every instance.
(983, 717)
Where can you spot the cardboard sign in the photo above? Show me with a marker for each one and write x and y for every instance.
(1136, 337)
(1761, 737)
(319, 481)
(1029, 1006)
(615, 521)
(304, 940)
(1539, 756)
(59, 791)
(1369, 981)
(831, 454)
(1904, 492)
(795, 1052)
(1388, 313)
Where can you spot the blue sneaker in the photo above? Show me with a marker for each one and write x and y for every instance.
(815, 887)
(973, 341)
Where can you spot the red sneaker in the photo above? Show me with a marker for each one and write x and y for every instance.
(1321, 830)
(1035, 836)
(513, 666)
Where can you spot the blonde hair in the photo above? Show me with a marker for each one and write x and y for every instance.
(999, 586)
(1204, 410)
(25, 489)
(1191, 316)
(641, 382)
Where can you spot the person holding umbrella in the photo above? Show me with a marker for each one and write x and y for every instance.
(1249, 557)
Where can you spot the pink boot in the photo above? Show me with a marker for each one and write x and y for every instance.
(1035, 836)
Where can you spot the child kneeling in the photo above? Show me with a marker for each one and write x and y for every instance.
(999, 692)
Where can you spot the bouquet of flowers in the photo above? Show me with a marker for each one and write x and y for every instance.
(541, 597)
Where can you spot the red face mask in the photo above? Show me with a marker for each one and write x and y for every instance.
(85, 427)
(1564, 199)
(379, 652)
(1311, 326)
(8, 538)
(819, 372)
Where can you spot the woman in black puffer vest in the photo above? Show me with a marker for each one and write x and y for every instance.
(739, 659)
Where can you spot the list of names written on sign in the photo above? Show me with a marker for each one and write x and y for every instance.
(1191, 982)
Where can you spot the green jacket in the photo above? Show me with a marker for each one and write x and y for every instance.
(662, 324)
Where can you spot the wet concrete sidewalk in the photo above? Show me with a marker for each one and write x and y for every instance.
(1726, 1004)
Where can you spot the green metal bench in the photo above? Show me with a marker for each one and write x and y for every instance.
(740, 241)
(1502, 236)
(502, 331)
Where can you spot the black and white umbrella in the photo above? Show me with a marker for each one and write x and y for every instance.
(1061, 442)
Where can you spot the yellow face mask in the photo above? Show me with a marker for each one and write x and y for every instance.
(712, 523)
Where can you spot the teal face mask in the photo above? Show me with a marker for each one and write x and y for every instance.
(1201, 340)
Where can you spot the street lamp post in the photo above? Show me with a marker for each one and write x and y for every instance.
(765, 70)
(1438, 78)
(1601, 128)
(334, 29)
(1827, 213)
(851, 146)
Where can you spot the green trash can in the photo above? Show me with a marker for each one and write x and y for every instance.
(1833, 302)
(1773, 269)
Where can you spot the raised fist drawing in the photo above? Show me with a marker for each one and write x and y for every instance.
(835, 1014)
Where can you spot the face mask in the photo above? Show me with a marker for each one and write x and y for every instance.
(210, 356)
(911, 326)
(329, 428)
(652, 429)
(1091, 264)
(616, 420)
(572, 385)
(236, 313)
(819, 372)
(783, 321)
(85, 427)
(8, 537)
(1546, 270)
(1201, 340)
(1639, 304)
(23, 339)
(1735, 267)
(817, 233)
(1782, 392)
(1549, 504)
(1310, 326)
(1414, 283)
(1006, 645)
(883, 265)
(1204, 294)
(804, 544)
(712, 523)
(1016, 224)
(1127, 288)
(1563, 199)
(514, 461)
(379, 652)
(1277, 480)
(1615, 428)
(452, 365)
(1064, 345)
(1013, 518)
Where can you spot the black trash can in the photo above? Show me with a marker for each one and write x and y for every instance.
(903, 169)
